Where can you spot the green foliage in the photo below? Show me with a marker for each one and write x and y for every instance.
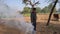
(50, 7)
(26, 10)
(45, 10)
(38, 9)
(28, 14)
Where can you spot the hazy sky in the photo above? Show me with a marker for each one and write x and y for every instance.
(17, 4)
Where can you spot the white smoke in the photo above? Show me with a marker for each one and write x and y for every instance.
(6, 12)
(21, 24)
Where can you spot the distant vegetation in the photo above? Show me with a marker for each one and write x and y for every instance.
(26, 11)
(46, 9)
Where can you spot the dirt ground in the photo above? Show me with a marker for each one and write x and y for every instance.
(41, 26)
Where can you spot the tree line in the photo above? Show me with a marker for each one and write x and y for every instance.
(46, 9)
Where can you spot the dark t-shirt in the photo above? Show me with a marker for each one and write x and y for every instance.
(33, 15)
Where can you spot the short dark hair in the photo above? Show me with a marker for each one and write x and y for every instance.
(33, 8)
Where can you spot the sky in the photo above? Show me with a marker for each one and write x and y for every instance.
(17, 4)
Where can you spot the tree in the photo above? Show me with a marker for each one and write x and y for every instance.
(30, 3)
(50, 7)
(38, 9)
(45, 10)
(51, 12)
(26, 10)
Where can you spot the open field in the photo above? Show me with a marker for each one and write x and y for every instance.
(41, 26)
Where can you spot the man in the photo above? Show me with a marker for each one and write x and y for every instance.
(33, 18)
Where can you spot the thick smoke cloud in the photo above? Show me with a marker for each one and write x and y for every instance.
(7, 12)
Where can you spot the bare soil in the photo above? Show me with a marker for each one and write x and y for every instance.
(41, 26)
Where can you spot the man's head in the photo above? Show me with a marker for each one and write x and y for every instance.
(34, 9)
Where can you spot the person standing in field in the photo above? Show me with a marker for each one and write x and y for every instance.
(33, 18)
